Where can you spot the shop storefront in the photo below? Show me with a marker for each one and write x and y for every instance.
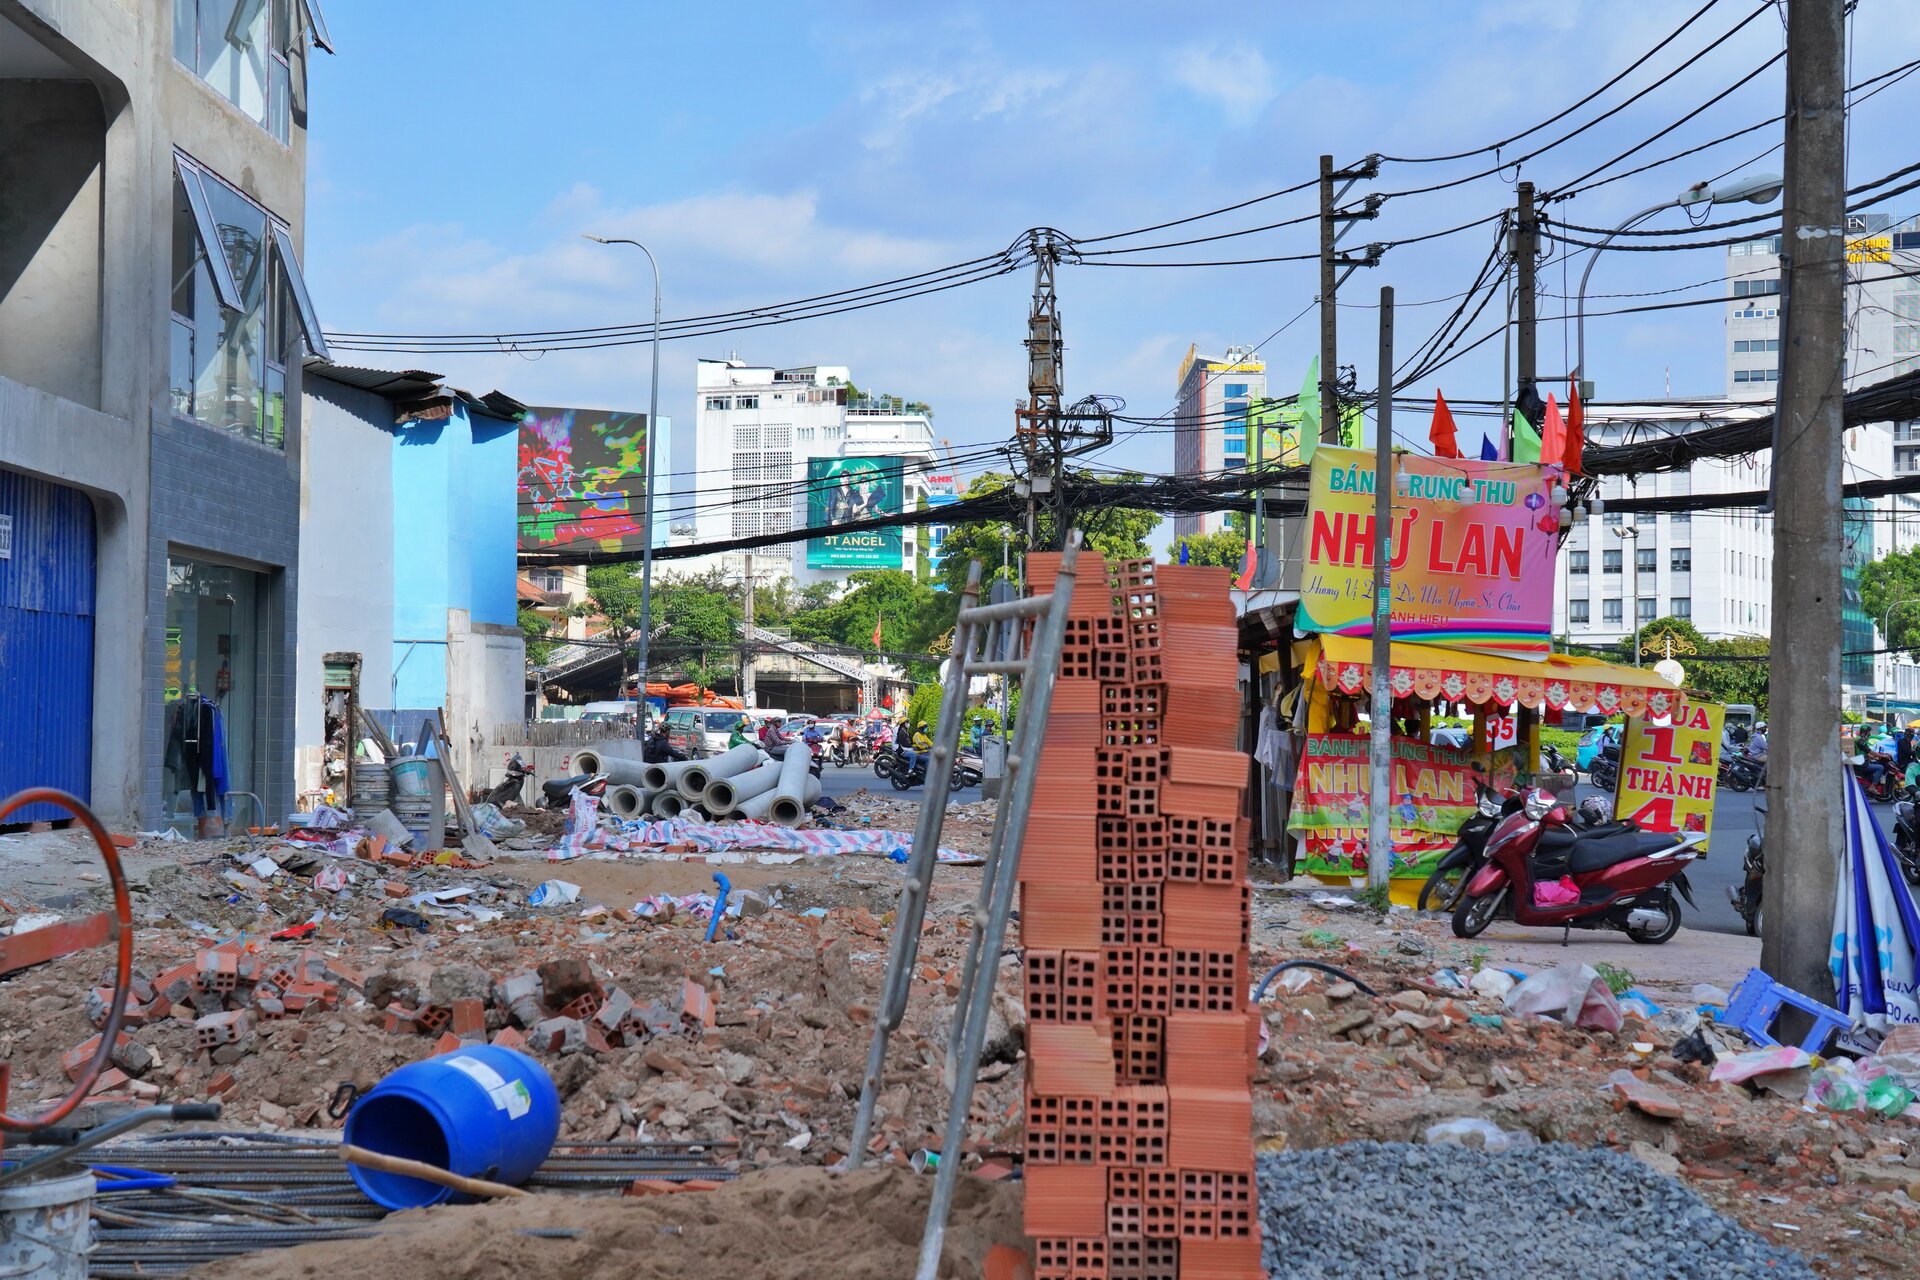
(211, 688)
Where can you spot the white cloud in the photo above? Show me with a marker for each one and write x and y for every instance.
(1238, 80)
(973, 91)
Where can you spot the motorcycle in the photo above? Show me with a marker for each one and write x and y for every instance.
(507, 791)
(1740, 771)
(1887, 788)
(1604, 771)
(1625, 876)
(967, 772)
(884, 757)
(557, 793)
(1745, 896)
(1906, 835)
(1443, 888)
(1556, 763)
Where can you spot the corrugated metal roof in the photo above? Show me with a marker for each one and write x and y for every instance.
(413, 385)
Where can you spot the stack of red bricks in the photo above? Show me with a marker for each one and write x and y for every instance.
(1134, 919)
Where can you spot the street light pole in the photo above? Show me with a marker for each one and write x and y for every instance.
(646, 547)
(1760, 188)
(1886, 632)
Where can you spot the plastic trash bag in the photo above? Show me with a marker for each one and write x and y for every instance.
(1492, 982)
(1756, 1062)
(1478, 1133)
(1574, 994)
(1556, 893)
(553, 893)
(496, 825)
(1834, 1086)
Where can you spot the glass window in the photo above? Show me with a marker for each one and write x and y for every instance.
(1577, 611)
(1681, 517)
(719, 402)
(1576, 561)
(1610, 518)
(1681, 560)
(1645, 519)
(1610, 611)
(234, 283)
(746, 402)
(1681, 607)
(1646, 608)
(243, 49)
(1235, 389)
(1646, 560)
(1610, 561)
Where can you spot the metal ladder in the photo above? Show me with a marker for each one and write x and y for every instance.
(998, 875)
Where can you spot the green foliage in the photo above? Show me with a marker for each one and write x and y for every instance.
(1722, 681)
(1892, 583)
(1566, 740)
(1617, 979)
(924, 706)
(909, 612)
(1117, 533)
(1376, 897)
(1227, 548)
(536, 628)
(613, 593)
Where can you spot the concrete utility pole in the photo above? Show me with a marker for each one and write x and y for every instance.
(746, 651)
(1329, 312)
(1380, 752)
(1807, 832)
(1526, 253)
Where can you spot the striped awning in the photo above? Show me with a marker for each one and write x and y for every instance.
(1432, 672)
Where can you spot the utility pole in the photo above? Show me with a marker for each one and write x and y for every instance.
(746, 650)
(1331, 278)
(1526, 253)
(1038, 423)
(1380, 752)
(1807, 834)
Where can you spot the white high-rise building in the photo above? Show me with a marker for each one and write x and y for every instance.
(757, 429)
(1210, 422)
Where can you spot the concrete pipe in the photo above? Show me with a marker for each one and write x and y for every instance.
(724, 795)
(788, 802)
(626, 801)
(620, 770)
(666, 804)
(789, 812)
(661, 777)
(692, 783)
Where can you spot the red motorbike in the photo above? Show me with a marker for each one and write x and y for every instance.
(1625, 876)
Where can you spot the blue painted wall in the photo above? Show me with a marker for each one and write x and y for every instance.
(46, 643)
(455, 540)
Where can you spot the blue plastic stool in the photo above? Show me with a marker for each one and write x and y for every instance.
(1756, 1002)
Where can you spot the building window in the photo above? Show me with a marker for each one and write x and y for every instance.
(1681, 517)
(244, 51)
(1680, 607)
(1236, 389)
(720, 402)
(1681, 560)
(1576, 561)
(1610, 611)
(1646, 608)
(548, 580)
(1577, 611)
(1645, 519)
(1646, 560)
(237, 296)
(1756, 288)
(1906, 337)
(1755, 346)
(1610, 561)
(746, 402)
(1611, 518)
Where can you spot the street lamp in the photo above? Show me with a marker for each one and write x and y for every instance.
(1758, 188)
(1631, 533)
(646, 547)
(1886, 624)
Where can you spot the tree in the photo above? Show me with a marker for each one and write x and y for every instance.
(1890, 592)
(1227, 548)
(1727, 671)
(613, 595)
(910, 614)
(1115, 533)
(535, 629)
(695, 623)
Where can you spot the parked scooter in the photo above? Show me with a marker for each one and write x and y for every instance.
(1449, 880)
(1556, 763)
(1625, 877)
(1745, 896)
(1906, 834)
(507, 791)
(557, 793)
(1604, 772)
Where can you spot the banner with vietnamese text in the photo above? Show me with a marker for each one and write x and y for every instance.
(1433, 794)
(1669, 770)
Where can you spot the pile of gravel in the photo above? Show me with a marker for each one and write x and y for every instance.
(1398, 1210)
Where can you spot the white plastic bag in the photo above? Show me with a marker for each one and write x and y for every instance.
(1478, 1133)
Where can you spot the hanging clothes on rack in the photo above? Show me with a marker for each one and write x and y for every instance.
(196, 754)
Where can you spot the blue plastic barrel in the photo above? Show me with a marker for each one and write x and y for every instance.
(481, 1112)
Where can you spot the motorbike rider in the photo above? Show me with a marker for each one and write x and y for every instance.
(1757, 742)
(656, 750)
(739, 737)
(916, 745)
(774, 736)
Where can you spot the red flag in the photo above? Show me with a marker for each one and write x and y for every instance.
(1246, 574)
(1576, 429)
(1441, 432)
(876, 633)
(1553, 434)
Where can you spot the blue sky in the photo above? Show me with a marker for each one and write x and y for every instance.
(768, 152)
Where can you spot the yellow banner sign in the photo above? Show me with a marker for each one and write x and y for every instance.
(1669, 770)
(1870, 249)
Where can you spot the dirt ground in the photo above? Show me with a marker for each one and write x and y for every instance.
(772, 1078)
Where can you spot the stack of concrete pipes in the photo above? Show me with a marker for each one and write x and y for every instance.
(741, 783)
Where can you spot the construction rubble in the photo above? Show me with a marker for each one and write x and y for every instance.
(284, 1000)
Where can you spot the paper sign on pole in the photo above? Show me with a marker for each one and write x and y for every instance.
(1669, 769)
(1473, 551)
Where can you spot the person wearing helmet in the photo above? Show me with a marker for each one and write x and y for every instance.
(1757, 741)
(739, 737)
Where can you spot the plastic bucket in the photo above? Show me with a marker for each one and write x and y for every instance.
(413, 779)
(482, 1112)
(45, 1227)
